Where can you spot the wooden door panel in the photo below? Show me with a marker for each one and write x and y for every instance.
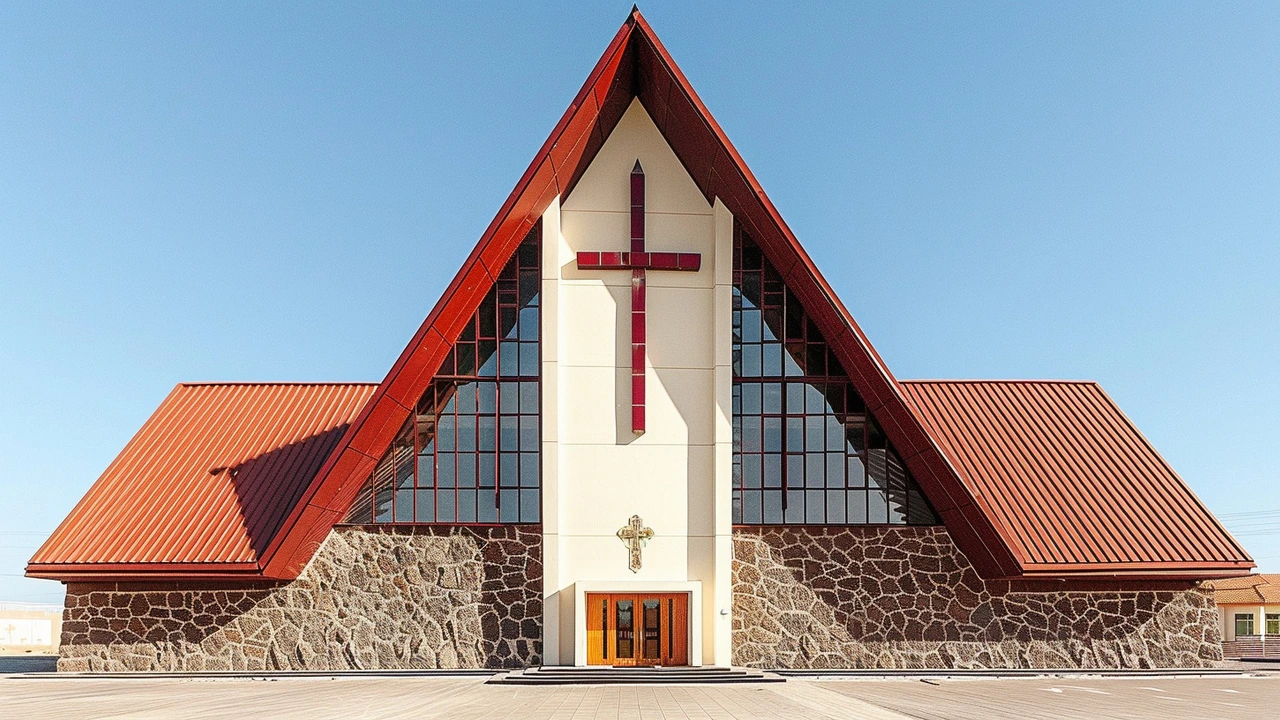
(626, 629)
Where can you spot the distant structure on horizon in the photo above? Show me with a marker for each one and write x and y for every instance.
(29, 626)
(639, 428)
(1249, 612)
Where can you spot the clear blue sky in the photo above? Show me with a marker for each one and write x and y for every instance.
(1023, 190)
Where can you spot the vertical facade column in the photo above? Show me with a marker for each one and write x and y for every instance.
(717, 641)
(553, 247)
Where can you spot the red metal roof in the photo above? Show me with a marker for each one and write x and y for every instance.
(1070, 481)
(206, 482)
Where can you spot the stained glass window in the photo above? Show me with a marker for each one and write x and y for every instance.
(805, 449)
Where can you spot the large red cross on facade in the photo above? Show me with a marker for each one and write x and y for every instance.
(638, 261)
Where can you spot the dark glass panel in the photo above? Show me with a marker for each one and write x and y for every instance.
(488, 352)
(509, 506)
(465, 397)
(404, 505)
(773, 507)
(795, 470)
(446, 506)
(795, 397)
(466, 470)
(427, 469)
(466, 354)
(528, 432)
(529, 469)
(772, 398)
(508, 397)
(751, 398)
(467, 506)
(795, 434)
(793, 513)
(446, 470)
(486, 507)
(425, 510)
(466, 433)
(773, 470)
(750, 469)
(488, 319)
(509, 433)
(509, 359)
(652, 625)
(530, 509)
(815, 470)
(772, 434)
(508, 469)
(836, 510)
(751, 439)
(529, 397)
(877, 507)
(487, 398)
(528, 359)
(814, 510)
(487, 433)
(752, 508)
(487, 470)
(624, 621)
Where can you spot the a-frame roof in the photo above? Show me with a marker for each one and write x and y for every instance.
(636, 65)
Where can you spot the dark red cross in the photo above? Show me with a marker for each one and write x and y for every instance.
(638, 261)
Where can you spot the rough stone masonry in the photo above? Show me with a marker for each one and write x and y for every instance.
(905, 597)
(424, 597)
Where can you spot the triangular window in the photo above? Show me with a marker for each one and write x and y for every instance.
(471, 453)
(805, 449)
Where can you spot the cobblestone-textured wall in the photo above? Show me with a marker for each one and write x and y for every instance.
(420, 598)
(907, 598)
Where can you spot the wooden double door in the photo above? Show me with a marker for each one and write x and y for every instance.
(630, 629)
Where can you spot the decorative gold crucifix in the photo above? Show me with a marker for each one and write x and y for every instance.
(635, 535)
(638, 261)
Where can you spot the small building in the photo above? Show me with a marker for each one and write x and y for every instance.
(638, 428)
(1249, 613)
(29, 627)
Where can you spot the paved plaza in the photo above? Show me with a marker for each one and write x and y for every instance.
(1164, 698)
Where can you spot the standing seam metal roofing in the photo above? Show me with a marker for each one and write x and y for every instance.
(1069, 476)
(208, 479)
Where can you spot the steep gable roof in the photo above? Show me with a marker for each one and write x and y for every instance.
(202, 488)
(1079, 489)
(636, 65)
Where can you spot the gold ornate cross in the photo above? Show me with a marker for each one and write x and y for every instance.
(635, 534)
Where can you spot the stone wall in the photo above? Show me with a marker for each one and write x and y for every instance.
(424, 597)
(879, 597)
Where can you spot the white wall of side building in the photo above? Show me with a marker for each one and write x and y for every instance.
(596, 472)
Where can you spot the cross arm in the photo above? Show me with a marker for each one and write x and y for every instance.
(639, 261)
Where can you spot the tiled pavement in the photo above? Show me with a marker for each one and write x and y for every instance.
(1162, 698)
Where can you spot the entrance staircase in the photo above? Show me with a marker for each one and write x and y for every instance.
(602, 675)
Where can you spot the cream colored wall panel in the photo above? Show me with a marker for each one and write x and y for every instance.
(679, 321)
(668, 189)
(601, 324)
(605, 557)
(701, 490)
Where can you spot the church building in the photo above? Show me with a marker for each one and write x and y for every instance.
(638, 428)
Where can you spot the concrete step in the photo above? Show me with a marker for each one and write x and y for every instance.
(604, 675)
